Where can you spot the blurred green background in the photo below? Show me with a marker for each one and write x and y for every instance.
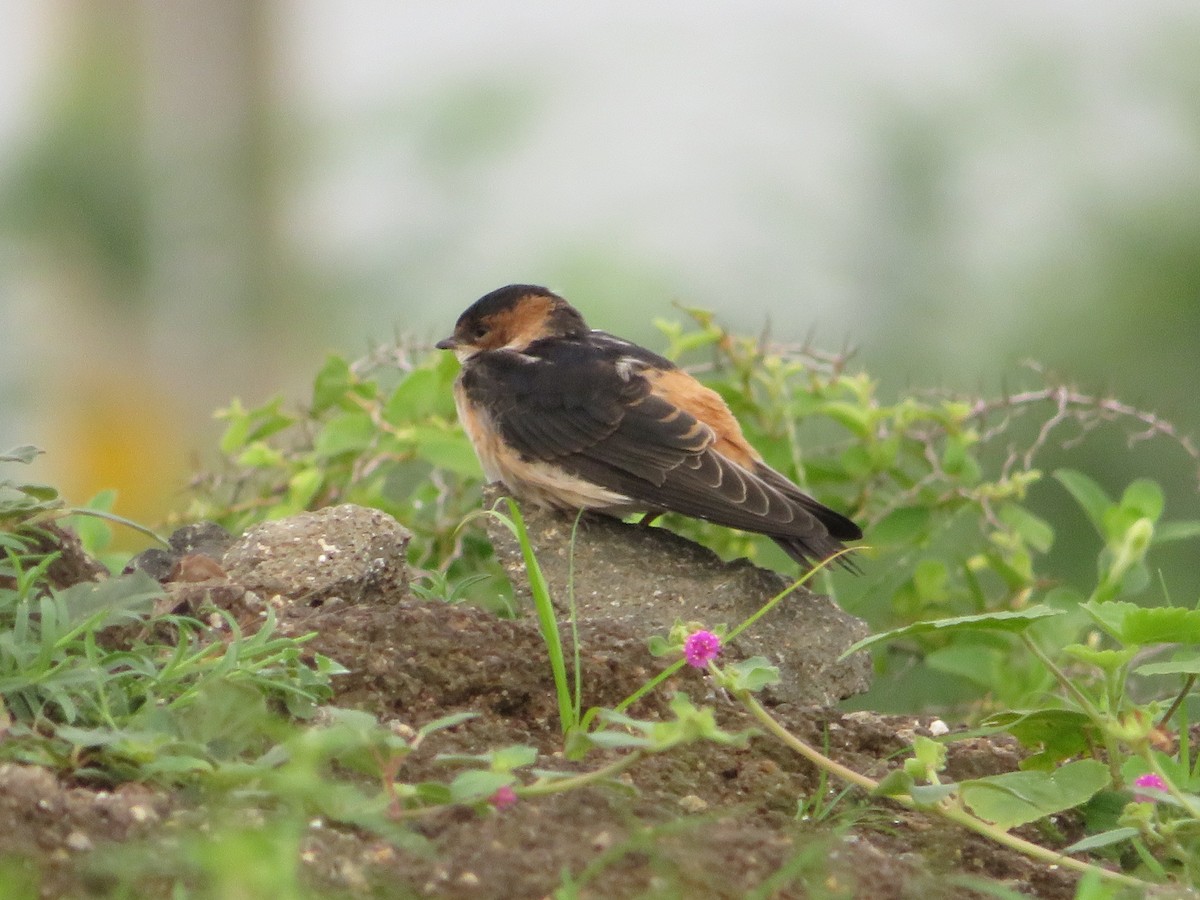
(199, 199)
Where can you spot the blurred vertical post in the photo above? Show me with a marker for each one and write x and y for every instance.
(213, 261)
(144, 203)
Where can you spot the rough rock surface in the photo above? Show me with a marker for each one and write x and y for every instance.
(341, 553)
(650, 577)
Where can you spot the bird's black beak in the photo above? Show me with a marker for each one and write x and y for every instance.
(447, 343)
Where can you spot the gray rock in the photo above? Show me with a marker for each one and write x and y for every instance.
(340, 553)
(650, 577)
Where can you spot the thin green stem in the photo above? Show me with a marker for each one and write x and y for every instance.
(1060, 676)
(774, 601)
(110, 517)
(547, 621)
(1188, 684)
(650, 685)
(542, 787)
(1180, 797)
(576, 655)
(1112, 750)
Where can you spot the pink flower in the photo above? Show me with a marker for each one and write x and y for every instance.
(701, 648)
(504, 798)
(1149, 780)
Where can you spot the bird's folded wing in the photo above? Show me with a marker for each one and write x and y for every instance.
(616, 432)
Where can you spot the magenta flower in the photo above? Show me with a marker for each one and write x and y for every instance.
(504, 798)
(1149, 780)
(701, 648)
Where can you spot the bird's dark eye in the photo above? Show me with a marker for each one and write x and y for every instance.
(479, 331)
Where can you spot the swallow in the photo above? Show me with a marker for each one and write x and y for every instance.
(570, 418)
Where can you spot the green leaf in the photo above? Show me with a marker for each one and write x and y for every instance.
(446, 722)
(478, 784)
(1009, 621)
(1064, 598)
(170, 764)
(1034, 531)
(1144, 498)
(1183, 664)
(954, 454)
(259, 455)
(1163, 624)
(751, 675)
(928, 796)
(423, 393)
(430, 793)
(1110, 615)
(1103, 839)
(1133, 624)
(447, 448)
(906, 525)
(855, 461)
(304, 484)
(853, 416)
(691, 723)
(350, 432)
(1088, 494)
(94, 531)
(89, 737)
(332, 384)
(1059, 733)
(39, 491)
(1177, 531)
(660, 646)
(929, 579)
(884, 453)
(965, 658)
(251, 425)
(118, 598)
(894, 783)
(508, 758)
(23, 453)
(1106, 660)
(930, 755)
(618, 740)
(1016, 798)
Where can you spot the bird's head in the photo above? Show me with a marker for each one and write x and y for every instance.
(512, 318)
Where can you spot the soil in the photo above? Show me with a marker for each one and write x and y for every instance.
(703, 820)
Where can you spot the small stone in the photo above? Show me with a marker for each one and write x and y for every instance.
(78, 841)
(347, 552)
(693, 804)
(142, 814)
(382, 853)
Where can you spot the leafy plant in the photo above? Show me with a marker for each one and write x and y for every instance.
(1094, 678)
(1101, 708)
(941, 484)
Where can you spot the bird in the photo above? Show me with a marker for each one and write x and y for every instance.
(568, 417)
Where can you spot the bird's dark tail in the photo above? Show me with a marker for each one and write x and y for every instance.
(811, 550)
